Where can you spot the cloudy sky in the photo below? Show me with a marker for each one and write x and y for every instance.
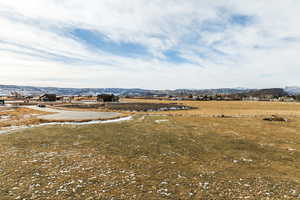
(163, 44)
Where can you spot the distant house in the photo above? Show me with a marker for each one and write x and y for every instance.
(48, 97)
(251, 98)
(59, 98)
(67, 99)
(2, 102)
(29, 97)
(286, 99)
(107, 98)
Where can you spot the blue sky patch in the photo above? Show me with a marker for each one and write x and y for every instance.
(97, 40)
(242, 20)
(213, 26)
(174, 57)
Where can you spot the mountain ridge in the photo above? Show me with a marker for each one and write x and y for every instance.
(34, 90)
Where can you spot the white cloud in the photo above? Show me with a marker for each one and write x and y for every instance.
(36, 50)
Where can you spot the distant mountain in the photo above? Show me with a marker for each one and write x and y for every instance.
(30, 90)
(276, 92)
(212, 91)
(292, 90)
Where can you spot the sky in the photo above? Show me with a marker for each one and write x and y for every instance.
(157, 44)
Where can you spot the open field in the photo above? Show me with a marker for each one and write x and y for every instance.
(160, 155)
(232, 108)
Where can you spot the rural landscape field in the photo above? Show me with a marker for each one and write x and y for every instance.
(217, 150)
(149, 100)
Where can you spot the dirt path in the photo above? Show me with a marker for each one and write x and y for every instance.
(74, 115)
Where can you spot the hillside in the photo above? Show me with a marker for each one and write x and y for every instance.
(276, 92)
(292, 89)
(31, 90)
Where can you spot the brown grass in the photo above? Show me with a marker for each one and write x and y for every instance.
(182, 155)
(232, 108)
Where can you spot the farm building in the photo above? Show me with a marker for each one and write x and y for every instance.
(107, 98)
(48, 97)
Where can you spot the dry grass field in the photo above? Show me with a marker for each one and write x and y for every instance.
(191, 154)
(232, 108)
